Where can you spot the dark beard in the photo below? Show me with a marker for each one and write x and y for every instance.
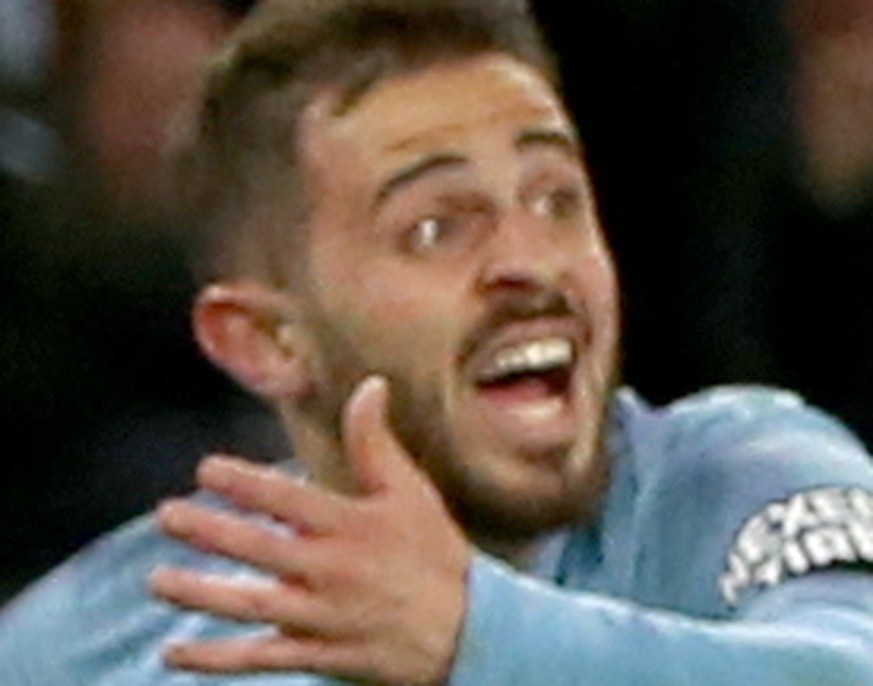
(488, 514)
(418, 420)
(483, 513)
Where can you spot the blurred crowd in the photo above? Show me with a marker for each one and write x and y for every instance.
(107, 403)
(731, 142)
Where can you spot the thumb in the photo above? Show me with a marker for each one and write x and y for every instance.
(374, 452)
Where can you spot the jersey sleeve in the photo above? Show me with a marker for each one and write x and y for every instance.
(748, 489)
(750, 566)
(525, 632)
(21, 663)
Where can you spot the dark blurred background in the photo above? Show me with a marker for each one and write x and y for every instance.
(731, 142)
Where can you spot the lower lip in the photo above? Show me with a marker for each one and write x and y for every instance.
(529, 415)
(522, 391)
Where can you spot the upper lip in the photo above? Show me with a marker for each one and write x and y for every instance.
(525, 331)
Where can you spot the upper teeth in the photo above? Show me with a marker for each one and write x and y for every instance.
(531, 356)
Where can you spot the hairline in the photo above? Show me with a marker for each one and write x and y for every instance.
(262, 173)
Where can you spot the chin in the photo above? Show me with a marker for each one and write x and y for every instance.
(519, 517)
(534, 499)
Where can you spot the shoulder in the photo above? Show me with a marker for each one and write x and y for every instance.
(99, 595)
(726, 432)
(712, 467)
(716, 414)
(93, 619)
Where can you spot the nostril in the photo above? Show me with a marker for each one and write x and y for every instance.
(517, 278)
(514, 281)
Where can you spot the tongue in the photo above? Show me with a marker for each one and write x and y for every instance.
(520, 389)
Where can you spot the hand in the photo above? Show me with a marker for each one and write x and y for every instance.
(371, 587)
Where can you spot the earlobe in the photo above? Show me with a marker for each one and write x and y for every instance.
(249, 331)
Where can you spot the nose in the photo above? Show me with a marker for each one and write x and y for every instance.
(522, 255)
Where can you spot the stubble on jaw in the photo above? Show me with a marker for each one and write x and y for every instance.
(417, 415)
(512, 520)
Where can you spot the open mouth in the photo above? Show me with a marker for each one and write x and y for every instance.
(530, 370)
(525, 381)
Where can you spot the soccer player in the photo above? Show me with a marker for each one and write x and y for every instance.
(406, 261)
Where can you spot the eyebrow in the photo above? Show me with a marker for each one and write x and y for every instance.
(413, 172)
(529, 138)
(550, 138)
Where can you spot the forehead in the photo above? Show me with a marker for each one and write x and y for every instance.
(447, 106)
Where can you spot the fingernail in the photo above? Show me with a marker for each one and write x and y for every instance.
(174, 655)
(215, 472)
(157, 579)
(169, 515)
(223, 471)
(375, 383)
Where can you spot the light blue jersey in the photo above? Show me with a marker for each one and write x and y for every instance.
(734, 547)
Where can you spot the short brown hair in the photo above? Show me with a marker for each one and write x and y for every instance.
(281, 57)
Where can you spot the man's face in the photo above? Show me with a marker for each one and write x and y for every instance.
(455, 248)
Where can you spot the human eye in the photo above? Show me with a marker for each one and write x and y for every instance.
(558, 202)
(427, 234)
(453, 227)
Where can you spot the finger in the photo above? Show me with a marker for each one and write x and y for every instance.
(376, 455)
(306, 507)
(278, 552)
(269, 653)
(244, 600)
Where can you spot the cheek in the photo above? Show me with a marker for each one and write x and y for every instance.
(400, 314)
(418, 300)
(600, 282)
(392, 330)
(602, 298)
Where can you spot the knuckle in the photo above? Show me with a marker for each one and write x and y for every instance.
(257, 605)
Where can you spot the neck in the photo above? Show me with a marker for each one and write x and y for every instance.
(322, 454)
(518, 554)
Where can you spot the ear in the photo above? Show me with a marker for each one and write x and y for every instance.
(248, 330)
